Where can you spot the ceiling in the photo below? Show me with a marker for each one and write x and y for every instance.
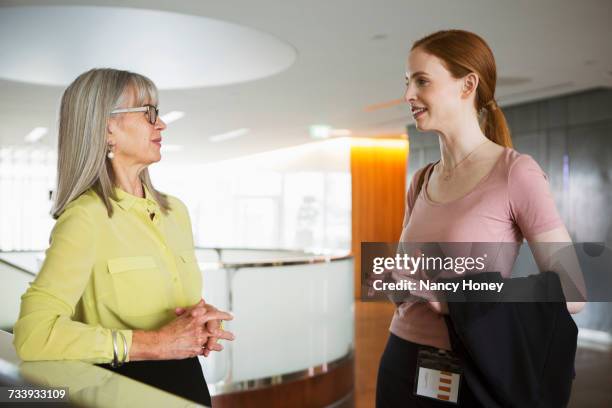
(349, 55)
(185, 52)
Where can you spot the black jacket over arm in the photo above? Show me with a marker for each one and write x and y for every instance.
(516, 354)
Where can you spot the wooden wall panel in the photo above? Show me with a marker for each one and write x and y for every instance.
(378, 174)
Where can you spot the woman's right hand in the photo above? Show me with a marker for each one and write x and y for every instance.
(213, 327)
(186, 335)
(183, 337)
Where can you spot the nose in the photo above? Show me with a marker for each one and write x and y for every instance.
(410, 94)
(160, 124)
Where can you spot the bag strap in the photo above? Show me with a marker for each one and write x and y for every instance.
(422, 179)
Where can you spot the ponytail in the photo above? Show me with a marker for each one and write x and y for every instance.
(494, 124)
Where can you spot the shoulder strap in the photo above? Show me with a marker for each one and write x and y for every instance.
(422, 179)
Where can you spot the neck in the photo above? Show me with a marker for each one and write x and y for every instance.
(455, 145)
(127, 178)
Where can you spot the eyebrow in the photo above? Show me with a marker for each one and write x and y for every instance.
(415, 74)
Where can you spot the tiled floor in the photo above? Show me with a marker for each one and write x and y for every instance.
(592, 387)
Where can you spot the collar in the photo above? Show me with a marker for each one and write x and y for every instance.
(126, 201)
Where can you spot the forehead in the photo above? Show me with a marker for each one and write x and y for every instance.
(421, 61)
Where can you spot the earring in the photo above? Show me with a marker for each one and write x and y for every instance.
(110, 153)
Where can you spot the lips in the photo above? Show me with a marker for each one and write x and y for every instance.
(418, 111)
(157, 141)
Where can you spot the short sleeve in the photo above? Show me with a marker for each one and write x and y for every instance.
(531, 203)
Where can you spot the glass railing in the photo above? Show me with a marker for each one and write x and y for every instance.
(293, 311)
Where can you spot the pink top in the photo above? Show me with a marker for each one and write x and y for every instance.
(510, 203)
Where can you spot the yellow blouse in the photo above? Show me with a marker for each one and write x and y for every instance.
(126, 272)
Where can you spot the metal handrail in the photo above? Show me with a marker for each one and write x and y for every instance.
(300, 261)
(19, 268)
(305, 260)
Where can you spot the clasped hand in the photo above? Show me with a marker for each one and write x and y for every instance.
(195, 331)
(213, 327)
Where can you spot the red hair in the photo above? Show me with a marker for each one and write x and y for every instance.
(464, 52)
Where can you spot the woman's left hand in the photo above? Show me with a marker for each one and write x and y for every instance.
(213, 327)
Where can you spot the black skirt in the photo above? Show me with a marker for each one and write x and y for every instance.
(180, 377)
(396, 377)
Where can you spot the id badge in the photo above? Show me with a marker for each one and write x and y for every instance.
(438, 374)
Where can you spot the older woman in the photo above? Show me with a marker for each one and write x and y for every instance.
(120, 282)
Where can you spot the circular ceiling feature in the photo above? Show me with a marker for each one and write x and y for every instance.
(53, 45)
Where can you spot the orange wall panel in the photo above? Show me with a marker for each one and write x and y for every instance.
(378, 178)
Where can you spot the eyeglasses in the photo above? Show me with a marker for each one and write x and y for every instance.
(152, 112)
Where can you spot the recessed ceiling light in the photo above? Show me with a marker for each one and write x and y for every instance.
(232, 134)
(171, 148)
(172, 116)
(36, 134)
(325, 131)
(320, 131)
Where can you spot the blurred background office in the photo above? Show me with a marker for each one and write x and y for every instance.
(290, 143)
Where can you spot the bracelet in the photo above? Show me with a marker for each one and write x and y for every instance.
(114, 364)
(125, 348)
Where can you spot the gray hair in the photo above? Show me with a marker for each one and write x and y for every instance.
(82, 146)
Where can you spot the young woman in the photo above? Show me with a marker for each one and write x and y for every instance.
(120, 282)
(481, 190)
